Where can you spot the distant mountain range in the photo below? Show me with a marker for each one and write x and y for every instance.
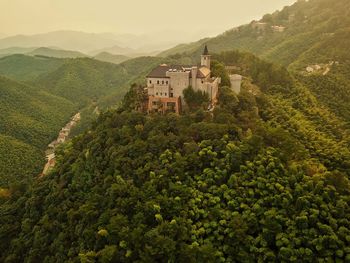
(92, 44)
(59, 53)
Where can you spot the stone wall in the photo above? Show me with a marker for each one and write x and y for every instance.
(158, 87)
(178, 82)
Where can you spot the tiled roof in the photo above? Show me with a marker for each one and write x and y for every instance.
(160, 71)
(203, 72)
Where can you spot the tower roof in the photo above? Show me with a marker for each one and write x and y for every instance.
(205, 52)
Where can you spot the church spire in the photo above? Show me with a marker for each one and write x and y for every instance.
(205, 52)
(205, 58)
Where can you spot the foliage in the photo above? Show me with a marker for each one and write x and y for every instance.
(27, 68)
(218, 70)
(262, 178)
(195, 99)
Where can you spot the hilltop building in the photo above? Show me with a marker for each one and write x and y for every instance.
(165, 84)
(278, 29)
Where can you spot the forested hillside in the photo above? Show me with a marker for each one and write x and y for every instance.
(56, 53)
(84, 80)
(263, 178)
(108, 57)
(29, 119)
(316, 31)
(55, 89)
(27, 68)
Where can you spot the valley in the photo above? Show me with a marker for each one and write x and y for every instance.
(62, 138)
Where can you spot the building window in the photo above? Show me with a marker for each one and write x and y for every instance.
(165, 93)
(157, 81)
(163, 82)
(161, 94)
(171, 95)
(157, 93)
(202, 81)
(167, 82)
(150, 82)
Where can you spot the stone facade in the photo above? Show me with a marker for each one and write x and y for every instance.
(166, 83)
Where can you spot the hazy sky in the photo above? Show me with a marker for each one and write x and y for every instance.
(130, 16)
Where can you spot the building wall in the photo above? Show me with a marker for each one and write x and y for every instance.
(193, 81)
(205, 60)
(164, 105)
(236, 81)
(162, 89)
(178, 82)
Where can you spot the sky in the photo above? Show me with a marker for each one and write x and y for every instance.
(131, 16)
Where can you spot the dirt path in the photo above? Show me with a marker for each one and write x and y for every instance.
(62, 137)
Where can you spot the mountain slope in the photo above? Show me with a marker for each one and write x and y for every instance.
(27, 68)
(108, 57)
(15, 50)
(84, 80)
(56, 53)
(32, 115)
(308, 25)
(29, 120)
(18, 161)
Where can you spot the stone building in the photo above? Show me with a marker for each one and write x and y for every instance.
(165, 84)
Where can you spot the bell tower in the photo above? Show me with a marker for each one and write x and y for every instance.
(205, 58)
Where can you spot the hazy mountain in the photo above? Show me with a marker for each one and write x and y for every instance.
(153, 41)
(2, 35)
(57, 53)
(15, 50)
(115, 50)
(91, 43)
(69, 40)
(108, 57)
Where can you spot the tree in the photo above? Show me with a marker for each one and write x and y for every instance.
(195, 99)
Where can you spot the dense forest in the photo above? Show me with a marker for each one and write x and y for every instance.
(262, 178)
(38, 95)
